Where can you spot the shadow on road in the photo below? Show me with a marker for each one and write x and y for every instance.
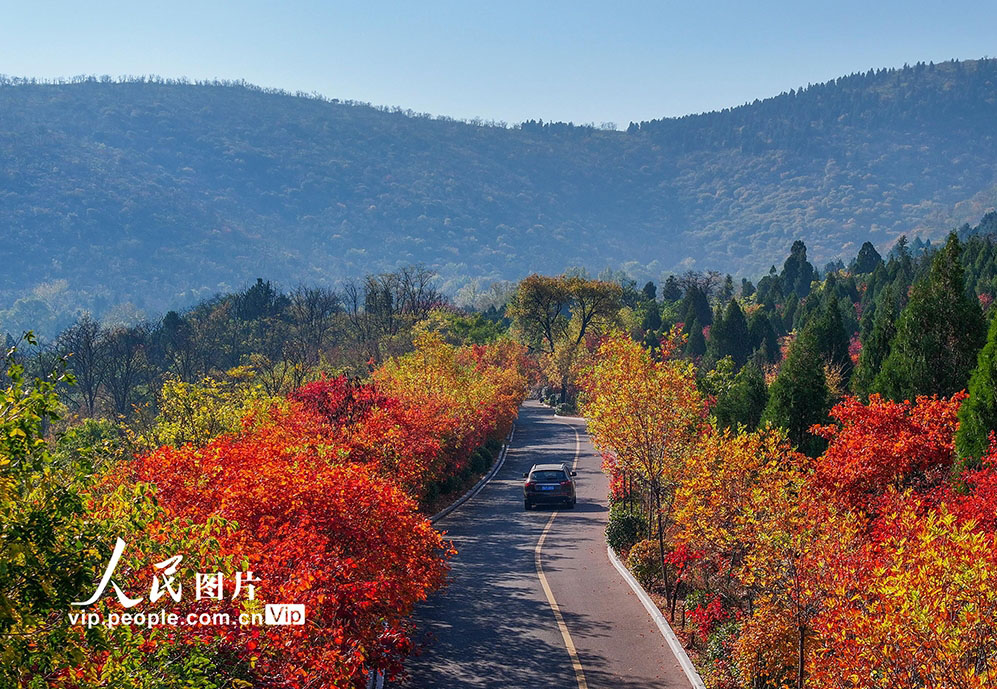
(493, 627)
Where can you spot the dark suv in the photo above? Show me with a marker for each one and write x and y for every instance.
(549, 484)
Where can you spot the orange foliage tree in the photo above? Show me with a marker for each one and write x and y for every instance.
(721, 502)
(464, 394)
(320, 493)
(337, 537)
(873, 565)
(649, 415)
(916, 609)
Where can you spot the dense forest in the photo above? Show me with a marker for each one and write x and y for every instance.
(795, 434)
(140, 195)
(296, 439)
(803, 470)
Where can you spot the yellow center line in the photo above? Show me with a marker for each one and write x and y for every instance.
(576, 664)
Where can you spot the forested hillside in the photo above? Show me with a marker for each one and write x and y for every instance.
(795, 437)
(149, 195)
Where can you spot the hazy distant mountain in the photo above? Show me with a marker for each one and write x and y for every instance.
(160, 193)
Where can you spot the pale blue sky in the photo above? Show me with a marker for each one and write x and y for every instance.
(580, 61)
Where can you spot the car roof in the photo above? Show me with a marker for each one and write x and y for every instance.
(547, 467)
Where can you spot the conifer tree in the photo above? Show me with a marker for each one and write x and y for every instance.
(763, 336)
(829, 338)
(797, 271)
(789, 309)
(978, 414)
(867, 261)
(652, 316)
(938, 335)
(671, 290)
(697, 342)
(876, 345)
(695, 306)
(744, 402)
(729, 336)
(799, 397)
(727, 291)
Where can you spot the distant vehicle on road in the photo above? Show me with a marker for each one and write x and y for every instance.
(549, 484)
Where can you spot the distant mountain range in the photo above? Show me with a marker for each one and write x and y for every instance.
(159, 193)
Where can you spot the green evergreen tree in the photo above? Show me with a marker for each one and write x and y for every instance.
(727, 291)
(729, 336)
(938, 335)
(876, 344)
(744, 401)
(867, 261)
(829, 338)
(799, 397)
(789, 309)
(696, 346)
(738, 337)
(713, 342)
(763, 335)
(797, 271)
(978, 414)
(901, 262)
(695, 306)
(671, 290)
(652, 316)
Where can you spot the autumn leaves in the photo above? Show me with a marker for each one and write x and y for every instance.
(871, 565)
(317, 494)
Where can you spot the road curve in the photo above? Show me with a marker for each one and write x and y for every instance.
(493, 625)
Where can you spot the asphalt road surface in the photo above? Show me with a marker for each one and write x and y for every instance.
(495, 626)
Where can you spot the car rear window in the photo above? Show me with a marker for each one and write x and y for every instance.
(552, 475)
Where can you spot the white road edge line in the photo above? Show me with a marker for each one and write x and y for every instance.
(480, 484)
(673, 642)
(569, 644)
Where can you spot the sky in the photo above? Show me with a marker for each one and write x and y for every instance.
(578, 61)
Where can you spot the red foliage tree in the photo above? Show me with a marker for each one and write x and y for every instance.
(340, 539)
(885, 443)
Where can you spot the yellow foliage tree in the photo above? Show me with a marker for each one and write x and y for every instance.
(649, 415)
(196, 413)
(918, 609)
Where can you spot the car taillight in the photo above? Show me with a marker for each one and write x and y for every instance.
(565, 483)
(530, 485)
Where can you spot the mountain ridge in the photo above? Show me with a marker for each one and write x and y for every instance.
(161, 193)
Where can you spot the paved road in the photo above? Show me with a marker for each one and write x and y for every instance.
(494, 627)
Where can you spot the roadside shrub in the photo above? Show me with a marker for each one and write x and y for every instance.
(480, 460)
(565, 409)
(494, 445)
(645, 563)
(718, 667)
(624, 528)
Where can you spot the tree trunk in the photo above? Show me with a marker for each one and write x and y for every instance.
(800, 659)
(649, 528)
(661, 547)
